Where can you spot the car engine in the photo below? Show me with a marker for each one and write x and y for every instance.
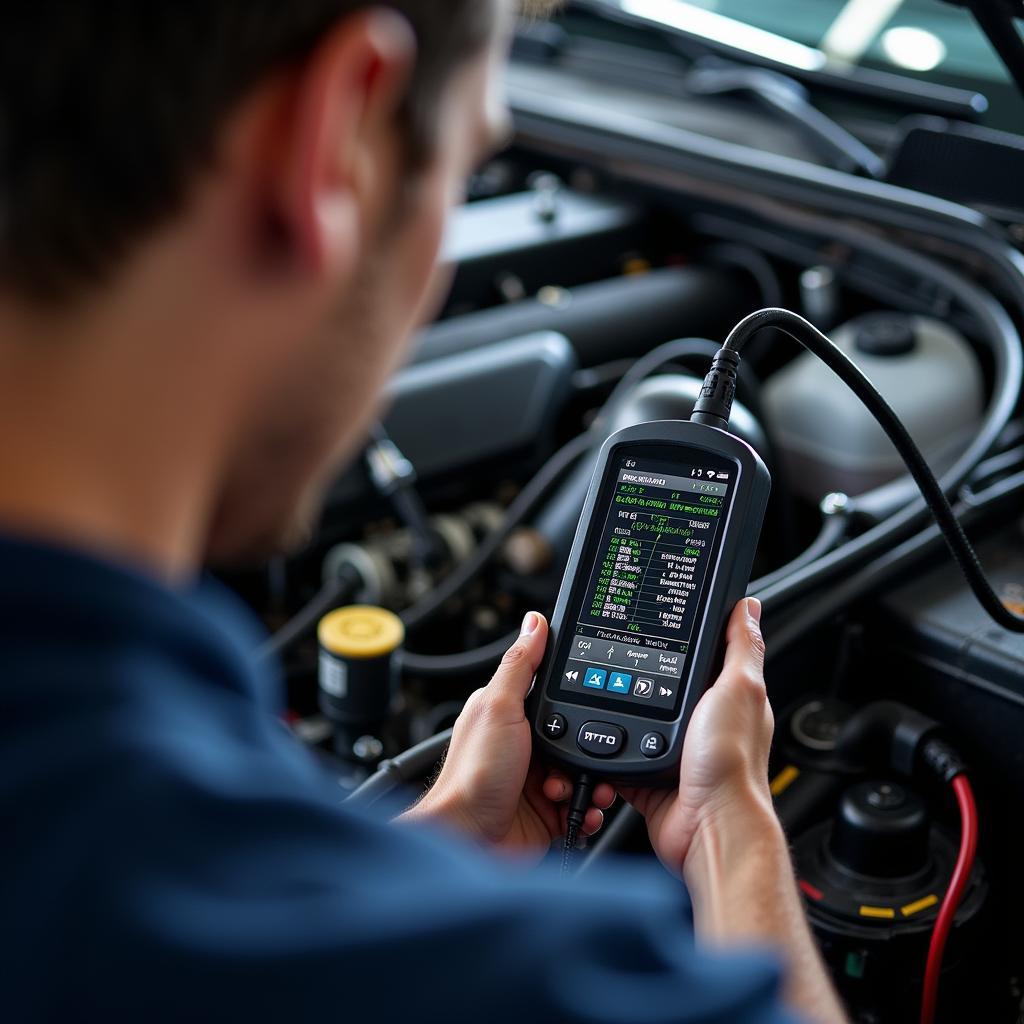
(599, 264)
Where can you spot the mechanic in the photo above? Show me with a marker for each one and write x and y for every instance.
(219, 221)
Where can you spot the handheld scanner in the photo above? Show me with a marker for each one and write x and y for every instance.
(663, 552)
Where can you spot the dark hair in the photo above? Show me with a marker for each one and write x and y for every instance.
(109, 107)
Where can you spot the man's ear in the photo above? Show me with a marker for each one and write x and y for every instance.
(343, 109)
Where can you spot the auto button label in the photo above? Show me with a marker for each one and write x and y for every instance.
(601, 739)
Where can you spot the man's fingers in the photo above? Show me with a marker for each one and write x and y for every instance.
(744, 652)
(521, 661)
(558, 789)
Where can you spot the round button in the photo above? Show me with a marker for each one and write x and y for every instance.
(653, 745)
(555, 726)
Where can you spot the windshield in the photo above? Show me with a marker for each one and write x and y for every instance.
(927, 39)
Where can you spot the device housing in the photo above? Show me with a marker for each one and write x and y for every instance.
(725, 581)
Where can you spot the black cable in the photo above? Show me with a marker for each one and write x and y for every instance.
(406, 767)
(518, 511)
(692, 349)
(833, 529)
(997, 465)
(613, 837)
(582, 795)
(466, 663)
(716, 401)
(672, 352)
(753, 262)
(889, 567)
(336, 592)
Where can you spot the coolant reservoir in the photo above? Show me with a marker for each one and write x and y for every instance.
(830, 442)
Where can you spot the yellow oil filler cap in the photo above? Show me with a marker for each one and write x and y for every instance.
(359, 668)
(361, 632)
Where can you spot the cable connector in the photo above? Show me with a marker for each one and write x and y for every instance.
(886, 733)
(714, 407)
(942, 760)
(389, 469)
(892, 735)
(394, 477)
(582, 796)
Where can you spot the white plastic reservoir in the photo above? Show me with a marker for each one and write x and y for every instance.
(830, 442)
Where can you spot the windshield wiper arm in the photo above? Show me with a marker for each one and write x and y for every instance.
(789, 99)
(909, 93)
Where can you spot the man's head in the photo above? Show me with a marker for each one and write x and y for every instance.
(276, 174)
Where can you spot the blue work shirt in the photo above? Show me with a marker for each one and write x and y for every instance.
(171, 853)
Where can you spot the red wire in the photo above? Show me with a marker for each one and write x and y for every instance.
(954, 894)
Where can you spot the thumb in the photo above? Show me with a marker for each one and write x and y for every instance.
(744, 653)
(522, 659)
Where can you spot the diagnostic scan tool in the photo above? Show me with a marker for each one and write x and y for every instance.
(663, 552)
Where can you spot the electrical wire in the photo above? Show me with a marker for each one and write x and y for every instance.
(671, 352)
(893, 565)
(572, 838)
(466, 663)
(530, 496)
(582, 795)
(954, 894)
(933, 493)
(627, 820)
(832, 532)
(335, 592)
(752, 262)
(401, 770)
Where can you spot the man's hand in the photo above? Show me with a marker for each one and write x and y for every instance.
(488, 787)
(719, 828)
(724, 772)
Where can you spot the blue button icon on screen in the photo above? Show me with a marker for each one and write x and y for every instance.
(595, 678)
(620, 682)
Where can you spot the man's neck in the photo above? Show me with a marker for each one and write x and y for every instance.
(107, 444)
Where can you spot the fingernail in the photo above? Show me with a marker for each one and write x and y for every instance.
(754, 609)
(530, 623)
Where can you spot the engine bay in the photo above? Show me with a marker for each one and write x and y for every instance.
(598, 268)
